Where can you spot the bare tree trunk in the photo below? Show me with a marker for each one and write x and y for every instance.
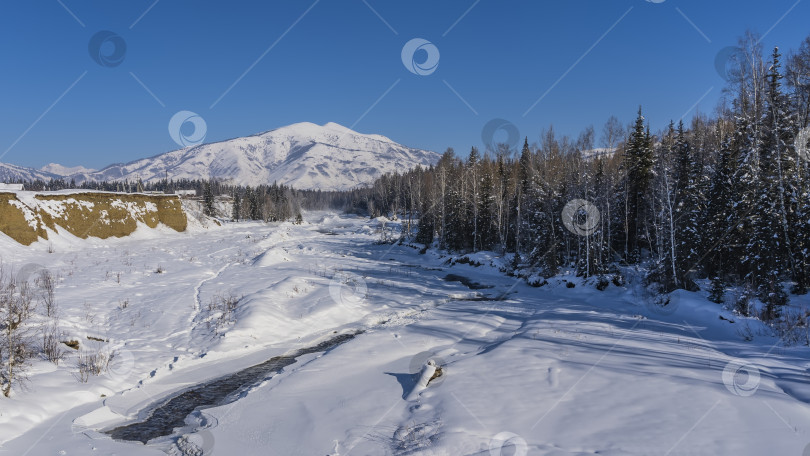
(671, 229)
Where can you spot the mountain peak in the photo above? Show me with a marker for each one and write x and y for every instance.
(304, 155)
(313, 130)
(55, 168)
(336, 126)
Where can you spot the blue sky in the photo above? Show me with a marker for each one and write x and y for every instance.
(336, 60)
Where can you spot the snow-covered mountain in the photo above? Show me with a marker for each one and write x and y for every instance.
(55, 168)
(304, 155)
(13, 173)
(602, 152)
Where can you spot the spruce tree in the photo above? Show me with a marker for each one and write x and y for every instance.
(488, 235)
(235, 211)
(246, 205)
(718, 290)
(253, 205)
(427, 228)
(720, 221)
(770, 246)
(521, 192)
(474, 203)
(688, 210)
(638, 163)
(208, 199)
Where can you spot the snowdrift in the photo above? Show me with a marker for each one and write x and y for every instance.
(27, 217)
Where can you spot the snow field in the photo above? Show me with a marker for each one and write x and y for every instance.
(551, 370)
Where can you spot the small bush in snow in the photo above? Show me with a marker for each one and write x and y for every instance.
(466, 260)
(602, 283)
(93, 362)
(792, 327)
(47, 287)
(537, 281)
(222, 307)
(718, 290)
(742, 301)
(51, 345)
(745, 332)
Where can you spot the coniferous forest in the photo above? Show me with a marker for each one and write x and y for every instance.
(726, 197)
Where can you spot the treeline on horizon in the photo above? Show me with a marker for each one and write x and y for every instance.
(268, 203)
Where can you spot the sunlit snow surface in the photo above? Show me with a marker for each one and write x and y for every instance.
(546, 371)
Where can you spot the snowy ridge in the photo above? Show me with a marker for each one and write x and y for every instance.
(599, 152)
(30, 216)
(304, 155)
(13, 173)
(55, 168)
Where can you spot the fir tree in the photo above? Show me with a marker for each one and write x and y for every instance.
(720, 221)
(208, 199)
(718, 290)
(488, 235)
(770, 246)
(254, 210)
(688, 210)
(236, 210)
(638, 165)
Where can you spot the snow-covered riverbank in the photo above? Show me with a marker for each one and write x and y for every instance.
(550, 370)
